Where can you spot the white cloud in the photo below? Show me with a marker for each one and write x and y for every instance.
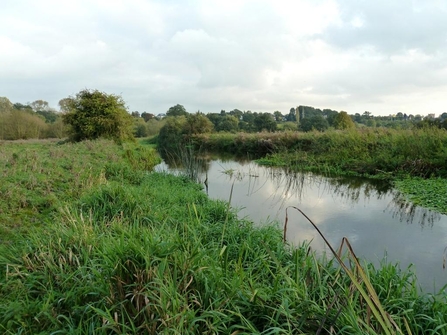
(212, 55)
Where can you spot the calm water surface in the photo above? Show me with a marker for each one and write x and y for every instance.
(375, 218)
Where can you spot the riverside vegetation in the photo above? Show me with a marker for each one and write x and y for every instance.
(396, 155)
(94, 243)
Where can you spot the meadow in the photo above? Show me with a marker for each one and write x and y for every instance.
(93, 242)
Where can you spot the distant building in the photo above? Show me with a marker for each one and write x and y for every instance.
(431, 116)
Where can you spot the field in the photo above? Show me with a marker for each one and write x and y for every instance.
(92, 242)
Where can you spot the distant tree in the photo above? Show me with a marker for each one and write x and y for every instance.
(22, 107)
(5, 105)
(358, 118)
(64, 104)
(278, 116)
(236, 113)
(93, 114)
(40, 105)
(197, 124)
(171, 135)
(228, 123)
(248, 117)
(177, 110)
(147, 116)
(215, 118)
(49, 116)
(371, 122)
(330, 116)
(443, 116)
(316, 122)
(292, 115)
(265, 121)
(22, 125)
(343, 121)
(367, 115)
(135, 114)
(140, 129)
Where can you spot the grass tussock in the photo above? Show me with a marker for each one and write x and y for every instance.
(157, 256)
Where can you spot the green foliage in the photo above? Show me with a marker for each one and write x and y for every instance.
(20, 124)
(228, 123)
(265, 122)
(196, 124)
(430, 193)
(5, 105)
(343, 121)
(177, 110)
(316, 122)
(170, 136)
(93, 114)
(149, 255)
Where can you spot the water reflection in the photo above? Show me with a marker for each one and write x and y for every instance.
(375, 218)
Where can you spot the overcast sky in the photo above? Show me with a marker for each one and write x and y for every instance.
(382, 56)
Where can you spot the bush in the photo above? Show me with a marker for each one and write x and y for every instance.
(94, 114)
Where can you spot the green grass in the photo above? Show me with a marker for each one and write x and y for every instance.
(152, 254)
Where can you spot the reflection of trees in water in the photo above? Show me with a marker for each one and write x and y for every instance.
(405, 210)
(288, 184)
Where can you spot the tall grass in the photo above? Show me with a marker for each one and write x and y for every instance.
(150, 257)
(364, 151)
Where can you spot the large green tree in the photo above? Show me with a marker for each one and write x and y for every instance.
(93, 114)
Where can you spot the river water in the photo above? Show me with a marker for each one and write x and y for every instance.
(375, 218)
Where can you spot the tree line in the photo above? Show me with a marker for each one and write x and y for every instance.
(91, 114)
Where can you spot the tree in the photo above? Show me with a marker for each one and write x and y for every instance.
(170, 136)
(292, 115)
(177, 110)
(228, 123)
(5, 105)
(265, 121)
(23, 107)
(147, 116)
(93, 114)
(316, 122)
(64, 105)
(40, 105)
(343, 121)
(197, 124)
(278, 116)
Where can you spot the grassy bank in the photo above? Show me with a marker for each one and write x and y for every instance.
(131, 252)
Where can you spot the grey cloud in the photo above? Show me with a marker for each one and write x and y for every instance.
(391, 26)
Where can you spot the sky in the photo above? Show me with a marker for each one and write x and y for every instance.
(381, 56)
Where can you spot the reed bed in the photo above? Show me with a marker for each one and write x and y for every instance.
(153, 254)
(364, 151)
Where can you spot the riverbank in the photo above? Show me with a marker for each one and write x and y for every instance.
(122, 250)
(395, 155)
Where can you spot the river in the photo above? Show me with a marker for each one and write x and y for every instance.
(375, 218)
